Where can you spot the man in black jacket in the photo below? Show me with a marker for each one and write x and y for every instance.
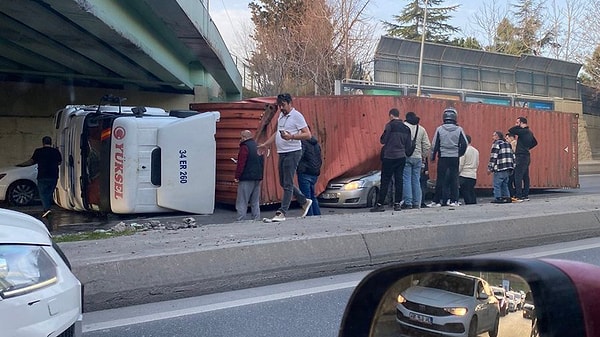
(525, 142)
(309, 169)
(396, 140)
(248, 175)
(48, 159)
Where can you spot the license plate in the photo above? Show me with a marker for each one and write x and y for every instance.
(420, 318)
(329, 195)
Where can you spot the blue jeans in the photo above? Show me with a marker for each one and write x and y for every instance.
(46, 189)
(288, 163)
(411, 189)
(501, 184)
(306, 183)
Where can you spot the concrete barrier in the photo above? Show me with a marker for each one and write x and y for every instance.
(161, 265)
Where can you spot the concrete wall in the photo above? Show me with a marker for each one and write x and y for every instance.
(592, 130)
(27, 110)
(585, 135)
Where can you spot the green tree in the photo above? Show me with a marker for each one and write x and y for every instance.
(532, 34)
(507, 39)
(469, 42)
(409, 24)
(591, 75)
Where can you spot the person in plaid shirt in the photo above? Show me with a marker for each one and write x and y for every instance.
(502, 164)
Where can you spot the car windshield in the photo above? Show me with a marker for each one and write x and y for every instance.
(451, 283)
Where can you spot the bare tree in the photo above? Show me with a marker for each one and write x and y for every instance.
(353, 35)
(566, 23)
(589, 37)
(486, 23)
(304, 46)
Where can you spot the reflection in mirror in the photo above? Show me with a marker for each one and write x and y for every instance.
(454, 303)
(3, 267)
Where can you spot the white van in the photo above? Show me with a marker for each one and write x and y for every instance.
(123, 159)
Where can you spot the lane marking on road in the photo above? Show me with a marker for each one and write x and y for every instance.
(561, 250)
(216, 306)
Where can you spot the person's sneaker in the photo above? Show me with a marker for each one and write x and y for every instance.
(514, 199)
(398, 207)
(306, 207)
(517, 200)
(526, 199)
(46, 213)
(416, 206)
(279, 217)
(403, 206)
(498, 201)
(507, 200)
(453, 204)
(434, 205)
(377, 208)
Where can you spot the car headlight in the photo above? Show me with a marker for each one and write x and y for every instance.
(400, 299)
(24, 269)
(458, 311)
(354, 185)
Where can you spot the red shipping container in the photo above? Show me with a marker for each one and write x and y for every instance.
(348, 129)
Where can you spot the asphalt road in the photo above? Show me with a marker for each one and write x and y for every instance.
(296, 309)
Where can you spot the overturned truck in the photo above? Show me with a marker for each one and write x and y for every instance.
(119, 159)
(348, 129)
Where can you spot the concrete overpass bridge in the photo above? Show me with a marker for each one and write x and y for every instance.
(165, 46)
(165, 53)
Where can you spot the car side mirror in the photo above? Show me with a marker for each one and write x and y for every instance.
(411, 299)
(482, 296)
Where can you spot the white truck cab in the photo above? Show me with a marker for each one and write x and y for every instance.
(123, 159)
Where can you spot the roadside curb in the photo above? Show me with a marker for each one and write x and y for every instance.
(163, 265)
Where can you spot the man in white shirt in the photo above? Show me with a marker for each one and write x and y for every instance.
(467, 176)
(291, 129)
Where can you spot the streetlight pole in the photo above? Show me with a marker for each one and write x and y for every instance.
(422, 47)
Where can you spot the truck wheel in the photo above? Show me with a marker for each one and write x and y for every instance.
(21, 193)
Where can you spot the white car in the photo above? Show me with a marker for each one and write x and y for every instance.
(18, 185)
(39, 296)
(448, 304)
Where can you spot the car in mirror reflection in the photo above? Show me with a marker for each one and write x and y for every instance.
(411, 299)
(452, 303)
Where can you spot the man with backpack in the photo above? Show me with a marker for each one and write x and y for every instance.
(411, 191)
(449, 144)
(309, 169)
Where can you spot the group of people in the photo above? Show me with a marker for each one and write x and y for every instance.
(509, 162)
(407, 151)
(405, 155)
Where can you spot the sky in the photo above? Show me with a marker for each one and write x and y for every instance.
(232, 17)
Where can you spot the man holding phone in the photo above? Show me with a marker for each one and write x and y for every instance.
(291, 129)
